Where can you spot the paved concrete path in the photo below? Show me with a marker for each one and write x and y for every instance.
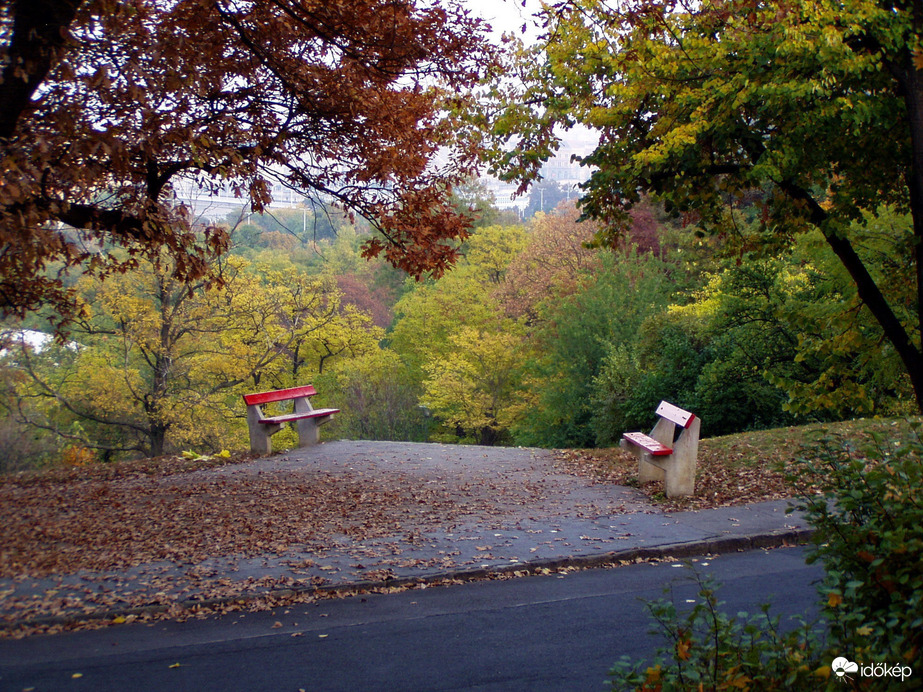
(502, 509)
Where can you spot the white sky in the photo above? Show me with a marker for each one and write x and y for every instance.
(506, 15)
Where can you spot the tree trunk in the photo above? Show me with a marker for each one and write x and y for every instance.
(868, 290)
(877, 304)
(39, 32)
(158, 438)
(909, 78)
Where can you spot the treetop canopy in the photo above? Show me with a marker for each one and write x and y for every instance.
(104, 104)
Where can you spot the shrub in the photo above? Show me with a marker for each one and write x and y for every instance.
(709, 650)
(869, 535)
(868, 518)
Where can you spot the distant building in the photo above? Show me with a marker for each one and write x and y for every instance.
(214, 207)
(561, 169)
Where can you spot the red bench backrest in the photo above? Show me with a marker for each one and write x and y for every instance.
(675, 414)
(279, 395)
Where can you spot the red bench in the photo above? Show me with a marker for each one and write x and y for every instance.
(669, 452)
(307, 418)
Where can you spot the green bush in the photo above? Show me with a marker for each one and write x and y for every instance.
(575, 333)
(869, 535)
(868, 521)
(709, 650)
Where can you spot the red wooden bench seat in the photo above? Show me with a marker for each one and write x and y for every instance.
(289, 417)
(649, 443)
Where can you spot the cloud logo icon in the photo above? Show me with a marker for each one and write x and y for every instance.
(841, 666)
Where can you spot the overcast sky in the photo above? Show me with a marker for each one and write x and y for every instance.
(505, 15)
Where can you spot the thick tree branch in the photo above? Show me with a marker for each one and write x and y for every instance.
(868, 290)
(40, 30)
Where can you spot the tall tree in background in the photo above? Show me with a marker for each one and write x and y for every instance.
(160, 365)
(812, 110)
(105, 104)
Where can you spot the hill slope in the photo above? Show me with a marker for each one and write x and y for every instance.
(735, 469)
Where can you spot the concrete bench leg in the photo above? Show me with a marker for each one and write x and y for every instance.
(647, 472)
(260, 434)
(679, 480)
(308, 434)
(680, 475)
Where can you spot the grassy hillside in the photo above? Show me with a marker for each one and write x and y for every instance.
(735, 469)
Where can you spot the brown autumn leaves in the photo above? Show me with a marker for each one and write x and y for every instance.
(105, 106)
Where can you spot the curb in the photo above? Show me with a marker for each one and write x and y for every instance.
(729, 544)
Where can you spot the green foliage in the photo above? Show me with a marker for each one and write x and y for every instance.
(768, 341)
(756, 122)
(844, 363)
(710, 650)
(615, 396)
(574, 335)
(869, 522)
(378, 399)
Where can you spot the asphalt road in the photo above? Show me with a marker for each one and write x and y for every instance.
(554, 632)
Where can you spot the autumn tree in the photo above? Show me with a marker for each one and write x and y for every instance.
(428, 315)
(555, 259)
(810, 112)
(478, 387)
(454, 338)
(106, 105)
(378, 397)
(157, 364)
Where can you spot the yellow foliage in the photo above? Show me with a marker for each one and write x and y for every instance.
(476, 385)
(78, 455)
(160, 366)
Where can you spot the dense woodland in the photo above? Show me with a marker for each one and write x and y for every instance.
(535, 338)
(749, 244)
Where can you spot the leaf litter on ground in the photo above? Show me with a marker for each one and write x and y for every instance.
(105, 518)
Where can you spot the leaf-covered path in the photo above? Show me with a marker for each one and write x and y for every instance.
(341, 512)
